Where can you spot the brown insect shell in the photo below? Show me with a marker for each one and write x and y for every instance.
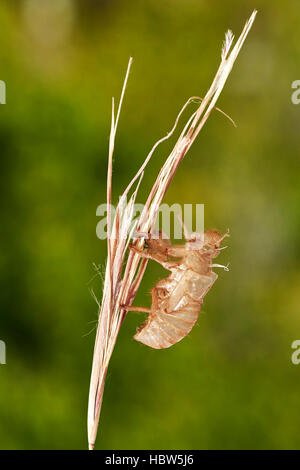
(176, 300)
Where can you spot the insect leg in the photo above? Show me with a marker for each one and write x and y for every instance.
(136, 309)
(161, 259)
(219, 266)
(177, 251)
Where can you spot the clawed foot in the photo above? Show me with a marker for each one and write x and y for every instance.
(134, 249)
(124, 307)
(141, 235)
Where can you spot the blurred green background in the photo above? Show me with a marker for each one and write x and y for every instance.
(231, 383)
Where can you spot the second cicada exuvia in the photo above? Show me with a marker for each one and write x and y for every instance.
(177, 299)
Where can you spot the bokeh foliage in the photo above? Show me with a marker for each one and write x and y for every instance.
(231, 383)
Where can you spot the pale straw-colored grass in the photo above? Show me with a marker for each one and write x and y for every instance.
(124, 273)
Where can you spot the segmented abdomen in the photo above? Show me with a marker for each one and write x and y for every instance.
(163, 327)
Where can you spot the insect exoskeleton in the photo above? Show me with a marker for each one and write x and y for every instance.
(177, 299)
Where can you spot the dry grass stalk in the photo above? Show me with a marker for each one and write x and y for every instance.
(122, 278)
